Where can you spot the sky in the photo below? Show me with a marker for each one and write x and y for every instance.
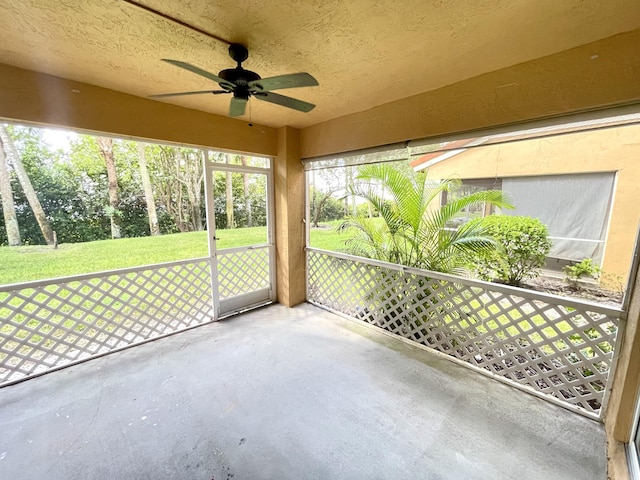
(59, 139)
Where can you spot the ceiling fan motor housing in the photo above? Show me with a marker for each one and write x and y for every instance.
(238, 52)
(238, 76)
(244, 84)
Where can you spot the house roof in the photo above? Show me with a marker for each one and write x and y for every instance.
(441, 152)
(363, 53)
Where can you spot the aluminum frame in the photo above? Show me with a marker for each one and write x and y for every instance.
(255, 290)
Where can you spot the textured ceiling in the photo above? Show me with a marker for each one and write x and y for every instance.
(364, 53)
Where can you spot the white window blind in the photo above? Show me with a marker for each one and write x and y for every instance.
(575, 208)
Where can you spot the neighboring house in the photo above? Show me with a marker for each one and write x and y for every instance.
(584, 186)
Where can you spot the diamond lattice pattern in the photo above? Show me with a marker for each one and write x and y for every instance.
(58, 323)
(243, 271)
(562, 351)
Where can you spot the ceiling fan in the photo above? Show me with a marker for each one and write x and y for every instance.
(245, 83)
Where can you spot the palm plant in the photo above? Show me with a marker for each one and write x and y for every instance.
(413, 230)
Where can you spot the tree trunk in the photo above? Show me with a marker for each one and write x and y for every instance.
(8, 207)
(354, 209)
(313, 206)
(197, 186)
(346, 189)
(319, 205)
(318, 210)
(154, 229)
(245, 192)
(106, 149)
(229, 197)
(27, 187)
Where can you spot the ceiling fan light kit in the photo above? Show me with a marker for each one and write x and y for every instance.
(244, 84)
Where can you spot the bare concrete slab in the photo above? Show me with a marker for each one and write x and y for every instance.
(286, 394)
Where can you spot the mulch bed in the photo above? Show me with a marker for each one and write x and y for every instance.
(561, 288)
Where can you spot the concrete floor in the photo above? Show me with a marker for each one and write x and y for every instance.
(286, 394)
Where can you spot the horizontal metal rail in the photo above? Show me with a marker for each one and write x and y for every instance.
(226, 251)
(226, 167)
(507, 289)
(105, 273)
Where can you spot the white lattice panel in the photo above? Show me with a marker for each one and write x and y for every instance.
(560, 348)
(44, 325)
(243, 271)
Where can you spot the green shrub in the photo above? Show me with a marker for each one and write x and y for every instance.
(525, 244)
(584, 268)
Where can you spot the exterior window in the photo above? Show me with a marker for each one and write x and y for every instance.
(476, 211)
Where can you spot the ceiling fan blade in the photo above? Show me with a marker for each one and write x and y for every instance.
(237, 106)
(285, 101)
(163, 95)
(292, 80)
(198, 71)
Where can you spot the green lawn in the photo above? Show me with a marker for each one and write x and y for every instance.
(21, 264)
(327, 237)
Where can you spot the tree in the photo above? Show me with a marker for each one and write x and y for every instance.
(148, 191)
(64, 192)
(350, 174)
(179, 183)
(105, 144)
(27, 187)
(412, 231)
(327, 209)
(87, 165)
(8, 205)
(245, 191)
(229, 197)
(248, 196)
(318, 203)
(331, 182)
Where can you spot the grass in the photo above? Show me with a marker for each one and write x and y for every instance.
(21, 264)
(327, 237)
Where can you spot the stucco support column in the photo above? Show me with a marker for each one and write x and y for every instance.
(289, 212)
(626, 385)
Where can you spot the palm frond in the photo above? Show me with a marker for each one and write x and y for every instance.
(412, 230)
(454, 209)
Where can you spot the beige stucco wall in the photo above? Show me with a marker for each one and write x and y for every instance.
(608, 150)
(27, 96)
